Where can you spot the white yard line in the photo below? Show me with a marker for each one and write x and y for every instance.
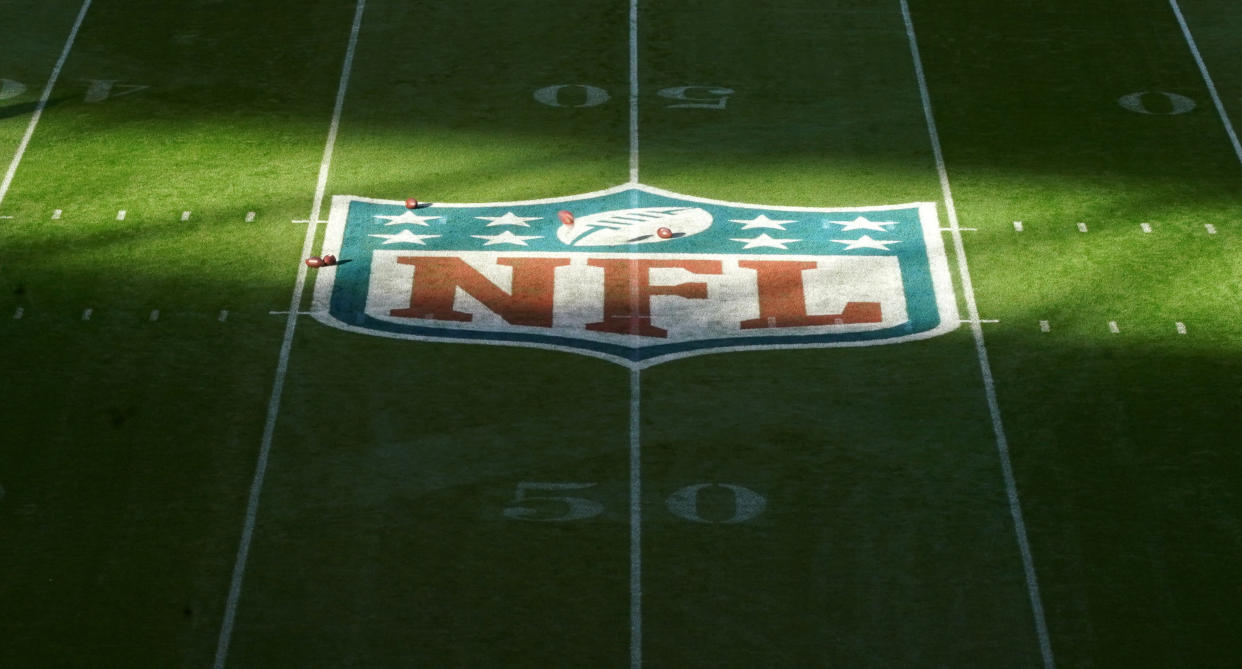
(633, 91)
(47, 94)
(273, 405)
(636, 509)
(1207, 78)
(636, 520)
(1002, 443)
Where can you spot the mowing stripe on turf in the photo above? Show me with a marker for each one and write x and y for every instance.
(1002, 443)
(282, 366)
(47, 94)
(1207, 78)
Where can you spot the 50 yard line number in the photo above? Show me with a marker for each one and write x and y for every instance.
(683, 97)
(547, 502)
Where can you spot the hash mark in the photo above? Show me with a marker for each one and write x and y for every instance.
(17, 315)
(185, 216)
(120, 215)
(155, 315)
(1145, 226)
(1210, 228)
(250, 217)
(86, 315)
(1112, 327)
(6, 217)
(1082, 227)
(1181, 327)
(224, 315)
(1017, 226)
(56, 214)
(1044, 326)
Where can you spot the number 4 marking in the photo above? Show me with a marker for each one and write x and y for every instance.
(103, 89)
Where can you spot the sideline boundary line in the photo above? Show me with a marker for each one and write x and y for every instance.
(282, 366)
(1207, 78)
(47, 95)
(989, 386)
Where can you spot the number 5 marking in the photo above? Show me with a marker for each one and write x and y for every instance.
(683, 94)
(575, 508)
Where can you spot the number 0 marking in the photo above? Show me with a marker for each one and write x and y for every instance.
(1137, 102)
(551, 95)
(747, 504)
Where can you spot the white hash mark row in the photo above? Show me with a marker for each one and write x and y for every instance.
(1019, 226)
(1113, 327)
(121, 214)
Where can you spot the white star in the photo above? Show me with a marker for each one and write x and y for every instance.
(865, 242)
(508, 219)
(405, 237)
(506, 237)
(764, 241)
(861, 223)
(409, 218)
(761, 221)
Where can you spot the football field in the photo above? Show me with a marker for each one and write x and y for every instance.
(489, 439)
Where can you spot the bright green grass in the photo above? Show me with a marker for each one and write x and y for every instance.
(886, 538)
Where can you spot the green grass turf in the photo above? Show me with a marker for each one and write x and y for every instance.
(381, 540)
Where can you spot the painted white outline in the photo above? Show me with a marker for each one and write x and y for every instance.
(985, 368)
(942, 282)
(47, 95)
(1207, 78)
(282, 367)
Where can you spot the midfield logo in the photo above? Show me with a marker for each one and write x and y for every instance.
(641, 276)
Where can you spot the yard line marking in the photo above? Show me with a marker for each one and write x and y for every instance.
(1146, 227)
(250, 217)
(959, 229)
(633, 91)
(1112, 327)
(185, 216)
(1082, 227)
(981, 320)
(17, 315)
(47, 94)
(120, 215)
(224, 315)
(1181, 327)
(1207, 78)
(1211, 229)
(6, 217)
(1002, 443)
(282, 366)
(155, 315)
(297, 313)
(1044, 326)
(1017, 225)
(636, 520)
(56, 214)
(315, 221)
(86, 315)
(636, 515)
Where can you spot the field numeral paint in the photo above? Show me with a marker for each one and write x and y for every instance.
(98, 90)
(1145, 102)
(551, 507)
(692, 97)
(584, 95)
(545, 502)
(11, 89)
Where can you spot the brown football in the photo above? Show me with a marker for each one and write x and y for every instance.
(329, 260)
(566, 217)
(314, 261)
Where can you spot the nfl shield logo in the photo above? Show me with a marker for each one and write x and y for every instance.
(640, 276)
